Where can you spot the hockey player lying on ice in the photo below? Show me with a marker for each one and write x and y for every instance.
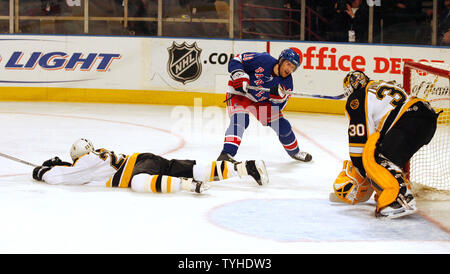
(386, 128)
(142, 172)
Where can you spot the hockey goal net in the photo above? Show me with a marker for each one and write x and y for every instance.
(429, 168)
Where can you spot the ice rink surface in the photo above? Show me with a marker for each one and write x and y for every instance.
(290, 215)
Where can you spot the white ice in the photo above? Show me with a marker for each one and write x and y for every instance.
(290, 215)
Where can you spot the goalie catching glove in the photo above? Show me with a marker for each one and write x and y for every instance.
(350, 186)
(240, 81)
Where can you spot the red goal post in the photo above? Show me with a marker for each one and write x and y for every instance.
(409, 66)
(429, 168)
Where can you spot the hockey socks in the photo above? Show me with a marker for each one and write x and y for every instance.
(233, 135)
(165, 184)
(286, 136)
(155, 183)
(222, 170)
(214, 171)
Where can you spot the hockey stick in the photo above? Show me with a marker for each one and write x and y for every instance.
(340, 96)
(17, 159)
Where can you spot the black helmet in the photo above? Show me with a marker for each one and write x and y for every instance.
(354, 80)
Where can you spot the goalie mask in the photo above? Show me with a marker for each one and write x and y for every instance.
(353, 81)
(81, 147)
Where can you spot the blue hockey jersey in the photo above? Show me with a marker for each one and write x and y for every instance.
(259, 67)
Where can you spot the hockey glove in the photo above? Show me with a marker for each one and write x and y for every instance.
(39, 171)
(278, 90)
(240, 80)
(55, 161)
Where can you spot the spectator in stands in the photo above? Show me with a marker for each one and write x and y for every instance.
(142, 8)
(293, 27)
(444, 25)
(72, 9)
(50, 7)
(399, 18)
(350, 21)
(4, 11)
(106, 8)
(401, 11)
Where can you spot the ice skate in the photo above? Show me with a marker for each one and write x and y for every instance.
(226, 157)
(404, 205)
(256, 169)
(302, 156)
(190, 185)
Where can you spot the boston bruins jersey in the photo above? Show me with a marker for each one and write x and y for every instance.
(374, 108)
(94, 168)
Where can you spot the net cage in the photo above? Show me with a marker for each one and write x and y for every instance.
(429, 168)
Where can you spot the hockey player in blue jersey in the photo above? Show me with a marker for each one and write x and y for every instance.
(261, 70)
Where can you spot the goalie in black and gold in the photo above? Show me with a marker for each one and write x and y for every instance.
(386, 127)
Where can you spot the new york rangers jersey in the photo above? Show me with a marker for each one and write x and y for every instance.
(259, 67)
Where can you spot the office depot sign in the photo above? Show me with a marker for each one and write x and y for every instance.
(324, 65)
(327, 58)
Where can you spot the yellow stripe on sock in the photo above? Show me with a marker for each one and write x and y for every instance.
(153, 183)
(225, 170)
(213, 168)
(169, 184)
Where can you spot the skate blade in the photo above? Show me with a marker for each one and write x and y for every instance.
(396, 214)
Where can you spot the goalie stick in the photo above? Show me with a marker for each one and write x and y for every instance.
(17, 159)
(333, 198)
(340, 96)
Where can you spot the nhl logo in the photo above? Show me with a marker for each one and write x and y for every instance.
(184, 62)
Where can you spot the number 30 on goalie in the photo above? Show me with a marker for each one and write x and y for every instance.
(350, 186)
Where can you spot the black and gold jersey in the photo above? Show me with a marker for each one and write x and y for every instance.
(374, 108)
(94, 168)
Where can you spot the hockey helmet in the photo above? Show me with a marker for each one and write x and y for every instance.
(354, 80)
(80, 147)
(292, 55)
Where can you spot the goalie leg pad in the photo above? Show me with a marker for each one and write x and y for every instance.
(350, 186)
(405, 203)
(386, 185)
